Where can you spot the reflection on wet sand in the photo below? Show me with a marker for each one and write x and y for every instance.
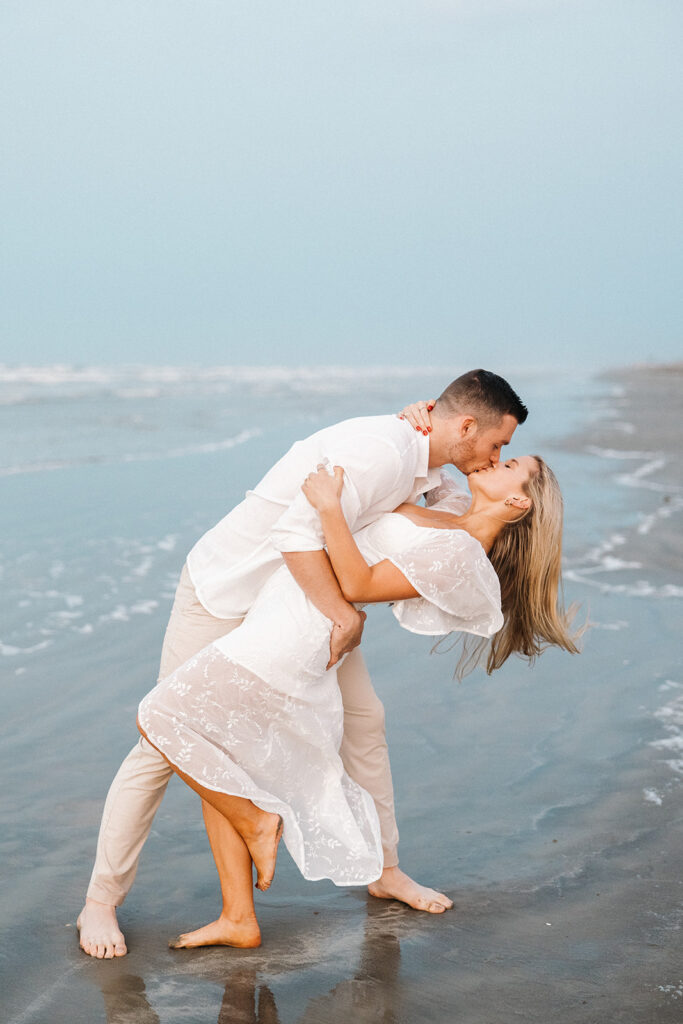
(372, 994)
(244, 1000)
(125, 1000)
(369, 993)
(247, 1002)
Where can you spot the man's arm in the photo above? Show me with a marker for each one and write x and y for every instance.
(374, 468)
(358, 580)
(313, 572)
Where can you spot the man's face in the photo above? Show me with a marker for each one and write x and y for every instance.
(474, 448)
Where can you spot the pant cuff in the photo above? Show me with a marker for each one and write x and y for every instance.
(113, 898)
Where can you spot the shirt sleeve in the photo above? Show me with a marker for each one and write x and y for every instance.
(458, 586)
(375, 476)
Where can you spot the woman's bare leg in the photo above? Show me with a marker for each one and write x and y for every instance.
(237, 925)
(260, 830)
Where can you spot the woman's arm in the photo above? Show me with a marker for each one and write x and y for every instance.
(358, 580)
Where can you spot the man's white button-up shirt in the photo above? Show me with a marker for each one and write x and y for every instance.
(385, 462)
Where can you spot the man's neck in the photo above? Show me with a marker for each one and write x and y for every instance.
(436, 447)
(441, 441)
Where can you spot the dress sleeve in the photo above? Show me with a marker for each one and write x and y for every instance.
(458, 586)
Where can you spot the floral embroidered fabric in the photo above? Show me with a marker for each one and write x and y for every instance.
(257, 714)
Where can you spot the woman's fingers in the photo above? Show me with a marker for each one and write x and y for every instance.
(417, 414)
(339, 480)
(322, 472)
(319, 470)
(320, 485)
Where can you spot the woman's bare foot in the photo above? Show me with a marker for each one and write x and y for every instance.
(245, 934)
(394, 884)
(101, 936)
(262, 845)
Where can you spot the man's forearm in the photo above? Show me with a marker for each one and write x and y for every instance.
(313, 572)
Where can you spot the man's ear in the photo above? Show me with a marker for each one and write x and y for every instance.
(468, 426)
(521, 503)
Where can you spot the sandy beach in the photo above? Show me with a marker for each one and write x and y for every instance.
(547, 802)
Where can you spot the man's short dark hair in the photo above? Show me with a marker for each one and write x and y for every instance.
(482, 394)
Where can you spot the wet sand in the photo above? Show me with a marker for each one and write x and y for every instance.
(548, 803)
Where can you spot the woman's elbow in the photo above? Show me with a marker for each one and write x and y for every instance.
(352, 593)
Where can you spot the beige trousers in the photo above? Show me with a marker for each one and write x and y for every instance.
(139, 785)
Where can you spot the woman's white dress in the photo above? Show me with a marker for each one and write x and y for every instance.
(257, 714)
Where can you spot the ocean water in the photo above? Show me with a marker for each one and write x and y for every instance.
(518, 781)
(110, 475)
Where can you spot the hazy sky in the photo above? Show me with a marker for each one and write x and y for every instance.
(213, 181)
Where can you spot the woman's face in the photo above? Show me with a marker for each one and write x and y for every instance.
(505, 480)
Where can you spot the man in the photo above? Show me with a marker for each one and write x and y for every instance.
(386, 462)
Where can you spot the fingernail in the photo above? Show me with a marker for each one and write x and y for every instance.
(429, 430)
(429, 408)
(425, 432)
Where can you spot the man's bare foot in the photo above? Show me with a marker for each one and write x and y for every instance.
(394, 884)
(262, 845)
(101, 936)
(245, 934)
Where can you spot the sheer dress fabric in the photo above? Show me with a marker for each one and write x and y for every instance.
(459, 587)
(257, 714)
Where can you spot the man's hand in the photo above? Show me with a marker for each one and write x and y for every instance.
(313, 572)
(346, 635)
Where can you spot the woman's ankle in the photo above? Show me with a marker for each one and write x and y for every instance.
(237, 915)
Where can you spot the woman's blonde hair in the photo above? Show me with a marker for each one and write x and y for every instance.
(527, 557)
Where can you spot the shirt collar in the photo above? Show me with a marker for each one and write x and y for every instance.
(431, 476)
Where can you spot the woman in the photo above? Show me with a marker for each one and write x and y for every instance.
(253, 722)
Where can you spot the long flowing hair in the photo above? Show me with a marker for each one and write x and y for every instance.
(527, 557)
